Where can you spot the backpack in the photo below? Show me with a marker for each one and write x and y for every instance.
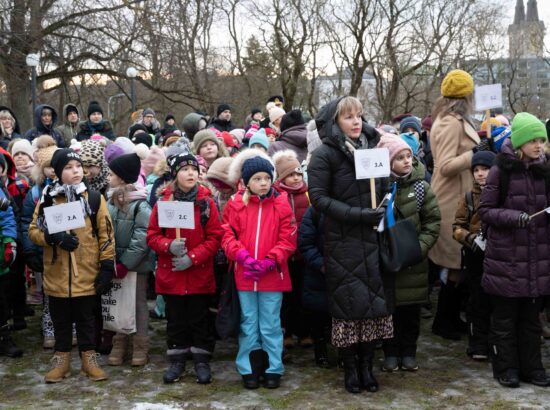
(469, 198)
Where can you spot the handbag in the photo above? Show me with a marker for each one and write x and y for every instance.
(228, 319)
(399, 247)
(118, 306)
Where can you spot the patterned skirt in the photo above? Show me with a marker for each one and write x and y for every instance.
(349, 332)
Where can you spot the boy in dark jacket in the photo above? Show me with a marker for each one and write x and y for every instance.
(467, 231)
(45, 119)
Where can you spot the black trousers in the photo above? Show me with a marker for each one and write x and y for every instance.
(320, 324)
(294, 318)
(4, 309)
(17, 292)
(78, 310)
(406, 329)
(188, 322)
(515, 335)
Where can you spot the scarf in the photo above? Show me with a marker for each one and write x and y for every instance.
(71, 192)
(190, 196)
(292, 190)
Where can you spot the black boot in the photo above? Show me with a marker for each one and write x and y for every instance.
(366, 357)
(259, 362)
(444, 321)
(351, 375)
(202, 368)
(509, 379)
(321, 354)
(7, 345)
(176, 368)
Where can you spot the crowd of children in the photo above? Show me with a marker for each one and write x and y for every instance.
(278, 205)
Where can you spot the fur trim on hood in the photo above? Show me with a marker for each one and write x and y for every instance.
(235, 169)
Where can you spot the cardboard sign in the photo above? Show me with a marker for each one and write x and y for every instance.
(488, 96)
(64, 217)
(372, 163)
(176, 214)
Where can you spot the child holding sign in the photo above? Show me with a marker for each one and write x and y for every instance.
(185, 269)
(516, 270)
(414, 201)
(77, 265)
(260, 235)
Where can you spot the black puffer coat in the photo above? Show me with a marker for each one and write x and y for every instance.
(354, 280)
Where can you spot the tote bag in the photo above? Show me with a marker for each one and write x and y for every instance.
(118, 306)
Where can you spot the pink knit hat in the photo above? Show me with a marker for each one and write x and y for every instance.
(394, 144)
(155, 155)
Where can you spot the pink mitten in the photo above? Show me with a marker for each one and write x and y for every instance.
(121, 271)
(266, 265)
(252, 275)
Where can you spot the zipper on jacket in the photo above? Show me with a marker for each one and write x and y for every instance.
(257, 239)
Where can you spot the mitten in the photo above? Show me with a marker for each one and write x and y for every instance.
(266, 265)
(104, 279)
(121, 271)
(66, 241)
(252, 274)
(10, 252)
(177, 247)
(523, 220)
(181, 263)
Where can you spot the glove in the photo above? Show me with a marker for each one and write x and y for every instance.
(372, 217)
(121, 271)
(10, 252)
(523, 220)
(254, 275)
(181, 263)
(267, 265)
(248, 262)
(472, 243)
(67, 242)
(34, 262)
(104, 280)
(177, 247)
(484, 145)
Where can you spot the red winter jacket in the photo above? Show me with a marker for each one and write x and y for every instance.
(202, 244)
(265, 228)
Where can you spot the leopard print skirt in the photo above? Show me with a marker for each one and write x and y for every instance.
(346, 333)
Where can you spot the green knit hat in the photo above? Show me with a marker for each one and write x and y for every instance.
(526, 127)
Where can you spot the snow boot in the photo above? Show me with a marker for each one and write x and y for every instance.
(7, 345)
(140, 350)
(118, 352)
(176, 368)
(351, 374)
(321, 353)
(61, 367)
(202, 368)
(90, 367)
(366, 357)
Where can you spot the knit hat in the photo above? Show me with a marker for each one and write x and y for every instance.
(222, 108)
(61, 157)
(503, 120)
(526, 127)
(70, 108)
(394, 144)
(388, 129)
(500, 134)
(485, 158)
(92, 153)
(410, 122)
(182, 145)
(411, 141)
(259, 137)
(237, 168)
(153, 157)
(313, 140)
(228, 140)
(179, 161)
(291, 119)
(286, 162)
(427, 123)
(208, 135)
(135, 128)
(238, 133)
(251, 131)
(275, 113)
(191, 123)
(22, 146)
(148, 111)
(254, 165)
(276, 99)
(94, 107)
(169, 117)
(493, 121)
(219, 170)
(457, 84)
(45, 146)
(142, 138)
(255, 111)
(126, 167)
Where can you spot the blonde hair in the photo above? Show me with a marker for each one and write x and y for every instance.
(120, 196)
(444, 106)
(348, 104)
(6, 114)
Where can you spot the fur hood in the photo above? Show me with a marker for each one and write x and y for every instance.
(235, 169)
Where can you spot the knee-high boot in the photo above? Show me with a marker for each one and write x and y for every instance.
(366, 357)
(351, 374)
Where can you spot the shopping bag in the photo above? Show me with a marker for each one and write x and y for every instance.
(228, 319)
(118, 306)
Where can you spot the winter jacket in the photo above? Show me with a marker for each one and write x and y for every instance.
(59, 279)
(411, 284)
(130, 236)
(8, 233)
(16, 132)
(68, 130)
(27, 212)
(452, 139)
(201, 242)
(221, 125)
(354, 281)
(41, 129)
(298, 200)
(294, 138)
(310, 245)
(266, 229)
(87, 129)
(467, 222)
(517, 260)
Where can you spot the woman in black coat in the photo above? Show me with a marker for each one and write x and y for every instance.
(357, 300)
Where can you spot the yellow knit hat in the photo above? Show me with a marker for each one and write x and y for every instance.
(457, 84)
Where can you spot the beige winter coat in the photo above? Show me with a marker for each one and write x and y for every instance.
(452, 139)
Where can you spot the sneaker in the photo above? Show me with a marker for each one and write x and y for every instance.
(391, 364)
(409, 364)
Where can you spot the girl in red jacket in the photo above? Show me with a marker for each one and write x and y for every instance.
(259, 235)
(185, 272)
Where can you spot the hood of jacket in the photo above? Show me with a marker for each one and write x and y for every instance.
(16, 129)
(296, 136)
(38, 121)
(11, 164)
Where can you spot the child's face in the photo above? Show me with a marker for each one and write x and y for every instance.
(21, 159)
(92, 171)
(49, 172)
(480, 174)
(260, 183)
(72, 173)
(402, 163)
(293, 180)
(350, 123)
(187, 177)
(114, 180)
(533, 149)
(259, 146)
(257, 117)
(209, 151)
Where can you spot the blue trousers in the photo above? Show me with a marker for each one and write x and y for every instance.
(260, 329)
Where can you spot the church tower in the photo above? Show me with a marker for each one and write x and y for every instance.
(526, 34)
